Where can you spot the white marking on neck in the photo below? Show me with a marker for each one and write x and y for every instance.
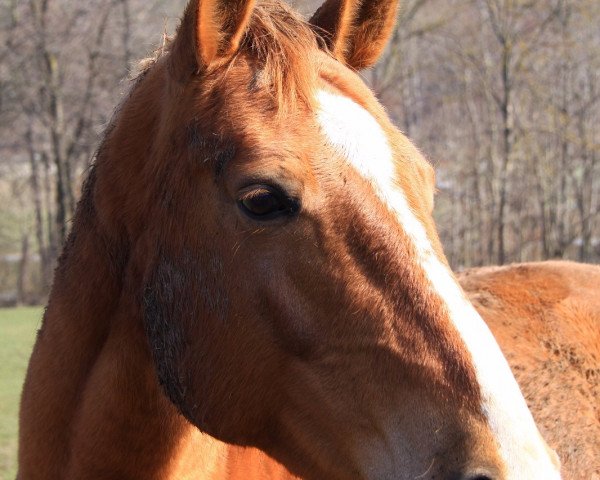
(355, 134)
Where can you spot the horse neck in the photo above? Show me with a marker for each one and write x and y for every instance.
(78, 379)
(91, 403)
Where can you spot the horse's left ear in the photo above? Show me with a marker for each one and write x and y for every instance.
(356, 31)
(210, 32)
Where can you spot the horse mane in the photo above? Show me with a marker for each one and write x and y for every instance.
(281, 43)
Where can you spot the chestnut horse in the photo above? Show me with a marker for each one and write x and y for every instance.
(254, 287)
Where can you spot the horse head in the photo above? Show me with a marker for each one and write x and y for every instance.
(291, 283)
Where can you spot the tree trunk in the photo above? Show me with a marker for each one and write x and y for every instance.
(505, 109)
(45, 270)
(23, 270)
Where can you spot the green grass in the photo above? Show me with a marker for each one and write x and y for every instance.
(18, 327)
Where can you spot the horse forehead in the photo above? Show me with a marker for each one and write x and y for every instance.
(351, 128)
(360, 133)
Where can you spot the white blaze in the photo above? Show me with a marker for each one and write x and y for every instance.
(355, 134)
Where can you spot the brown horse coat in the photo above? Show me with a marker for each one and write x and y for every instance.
(254, 284)
(546, 318)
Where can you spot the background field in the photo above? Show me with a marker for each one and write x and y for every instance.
(17, 334)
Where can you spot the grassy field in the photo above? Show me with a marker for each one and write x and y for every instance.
(17, 334)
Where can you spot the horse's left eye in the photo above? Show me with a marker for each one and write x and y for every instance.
(263, 202)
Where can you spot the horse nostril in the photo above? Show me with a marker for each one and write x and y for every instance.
(479, 477)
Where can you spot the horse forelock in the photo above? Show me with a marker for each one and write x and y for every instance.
(278, 42)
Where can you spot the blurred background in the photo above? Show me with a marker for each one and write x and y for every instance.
(503, 97)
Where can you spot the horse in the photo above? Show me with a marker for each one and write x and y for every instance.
(253, 285)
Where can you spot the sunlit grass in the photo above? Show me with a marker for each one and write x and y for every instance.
(18, 327)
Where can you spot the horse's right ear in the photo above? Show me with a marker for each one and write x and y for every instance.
(210, 32)
(356, 31)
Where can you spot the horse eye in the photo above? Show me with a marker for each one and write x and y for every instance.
(263, 202)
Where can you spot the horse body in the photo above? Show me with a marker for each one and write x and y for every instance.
(546, 318)
(254, 285)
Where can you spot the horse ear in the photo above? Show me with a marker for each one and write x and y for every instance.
(356, 31)
(210, 32)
